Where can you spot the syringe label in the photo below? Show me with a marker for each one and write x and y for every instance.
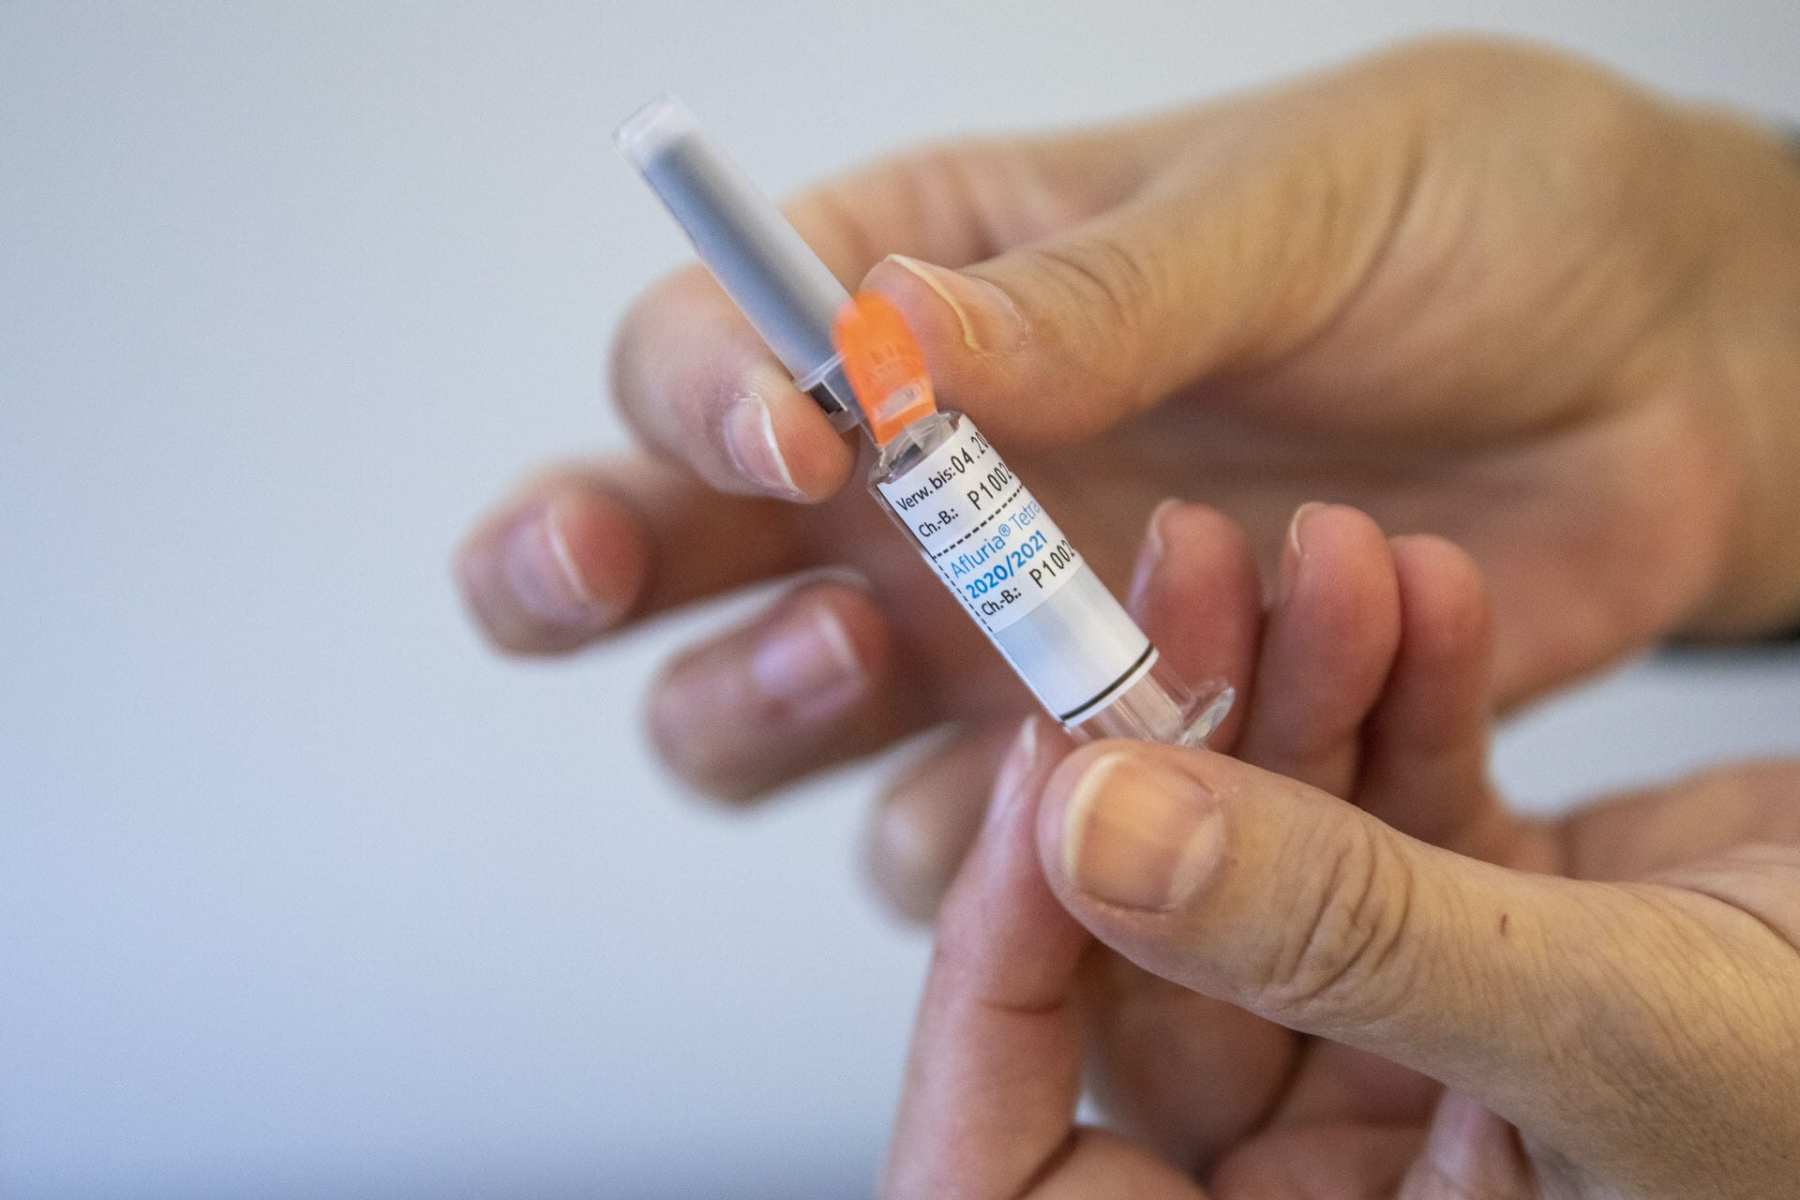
(986, 535)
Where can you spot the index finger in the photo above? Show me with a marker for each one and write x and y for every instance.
(995, 1065)
(995, 1069)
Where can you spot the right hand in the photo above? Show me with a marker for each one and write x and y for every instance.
(1476, 289)
(1632, 1036)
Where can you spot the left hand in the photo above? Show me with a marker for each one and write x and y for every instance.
(1622, 1025)
(1312, 289)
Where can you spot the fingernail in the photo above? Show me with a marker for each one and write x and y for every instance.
(750, 440)
(1138, 834)
(808, 663)
(1149, 556)
(544, 576)
(988, 317)
(1292, 551)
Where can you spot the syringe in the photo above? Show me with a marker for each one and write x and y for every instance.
(975, 523)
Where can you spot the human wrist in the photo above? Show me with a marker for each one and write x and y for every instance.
(1751, 318)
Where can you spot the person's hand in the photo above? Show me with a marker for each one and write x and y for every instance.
(1477, 289)
(1630, 1031)
(1367, 676)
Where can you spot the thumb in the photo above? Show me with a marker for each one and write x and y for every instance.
(1223, 266)
(1540, 997)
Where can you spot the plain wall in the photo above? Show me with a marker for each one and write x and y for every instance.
(301, 891)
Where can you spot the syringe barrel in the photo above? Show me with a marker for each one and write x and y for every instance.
(762, 263)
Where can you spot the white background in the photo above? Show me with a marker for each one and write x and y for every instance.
(301, 892)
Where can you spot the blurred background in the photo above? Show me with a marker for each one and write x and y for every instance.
(301, 891)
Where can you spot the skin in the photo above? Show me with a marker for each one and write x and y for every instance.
(1335, 289)
(1476, 289)
(1600, 1007)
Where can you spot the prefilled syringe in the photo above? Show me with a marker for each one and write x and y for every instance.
(976, 524)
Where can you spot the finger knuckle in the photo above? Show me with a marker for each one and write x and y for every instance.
(1344, 956)
(941, 181)
(939, 189)
(1116, 295)
(1109, 274)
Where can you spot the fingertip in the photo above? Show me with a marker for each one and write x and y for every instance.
(971, 333)
(699, 385)
(1337, 534)
(768, 437)
(1149, 558)
(1329, 645)
(1140, 834)
(948, 311)
(1000, 918)
(1195, 593)
(1445, 611)
(797, 688)
(1344, 601)
(1001, 868)
(1082, 771)
(556, 567)
(922, 827)
(1426, 743)
(814, 461)
(1053, 804)
(601, 547)
(911, 855)
(868, 635)
(1185, 543)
